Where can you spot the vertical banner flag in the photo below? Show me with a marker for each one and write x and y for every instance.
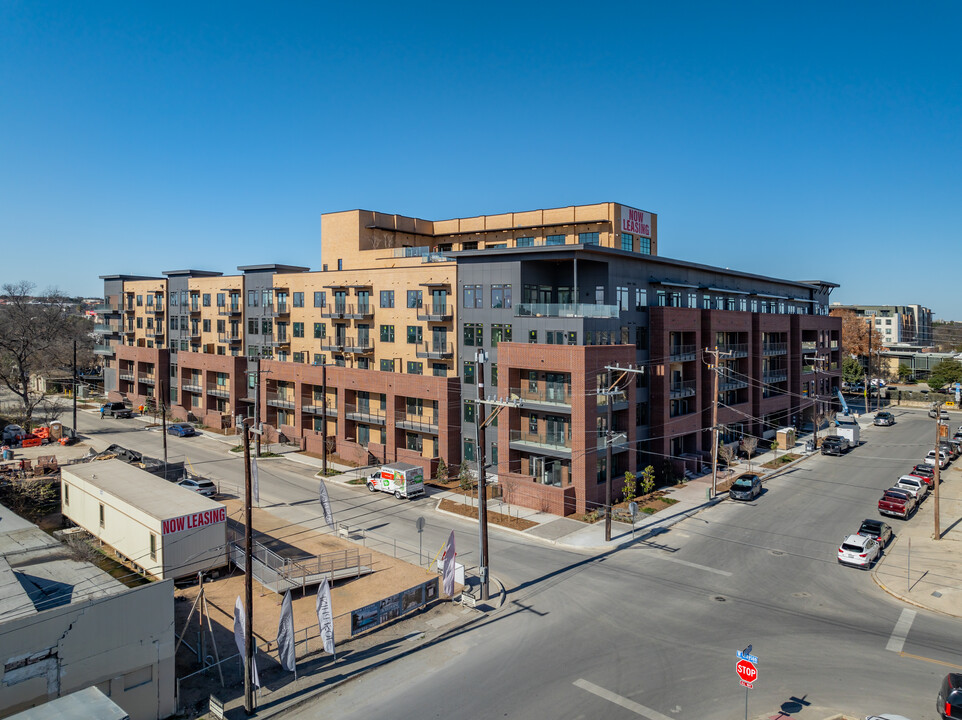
(286, 654)
(448, 572)
(325, 618)
(239, 633)
(326, 505)
(255, 487)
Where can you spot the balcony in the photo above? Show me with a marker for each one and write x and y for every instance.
(156, 309)
(435, 313)
(276, 342)
(809, 345)
(552, 443)
(435, 350)
(228, 310)
(106, 329)
(778, 348)
(619, 442)
(106, 310)
(416, 423)
(221, 391)
(281, 400)
(155, 332)
(195, 309)
(682, 389)
(359, 346)
(728, 384)
(682, 353)
(316, 409)
(281, 309)
(130, 309)
(228, 338)
(543, 394)
(364, 414)
(360, 312)
(333, 344)
(569, 310)
(147, 379)
(774, 376)
(736, 350)
(338, 311)
(126, 375)
(103, 349)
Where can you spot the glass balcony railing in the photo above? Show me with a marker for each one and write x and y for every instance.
(572, 310)
(557, 441)
(543, 394)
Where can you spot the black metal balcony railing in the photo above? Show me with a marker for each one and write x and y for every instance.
(281, 400)
(281, 308)
(364, 414)
(278, 341)
(683, 388)
(336, 310)
(682, 353)
(361, 311)
(435, 313)
(727, 384)
(155, 332)
(229, 310)
(333, 344)
(734, 350)
(777, 348)
(359, 345)
(221, 391)
(157, 309)
(192, 386)
(435, 350)
(775, 376)
(228, 338)
(416, 423)
(194, 309)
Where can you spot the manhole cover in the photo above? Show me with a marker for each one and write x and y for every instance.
(777, 552)
(719, 598)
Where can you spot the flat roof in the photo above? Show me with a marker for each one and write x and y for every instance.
(193, 273)
(155, 496)
(80, 705)
(280, 269)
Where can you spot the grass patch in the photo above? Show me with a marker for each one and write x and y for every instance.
(782, 460)
(357, 481)
(264, 453)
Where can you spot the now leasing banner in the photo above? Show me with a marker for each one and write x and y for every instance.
(194, 520)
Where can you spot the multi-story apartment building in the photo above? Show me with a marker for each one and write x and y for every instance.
(896, 325)
(384, 341)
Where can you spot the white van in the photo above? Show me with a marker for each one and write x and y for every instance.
(402, 479)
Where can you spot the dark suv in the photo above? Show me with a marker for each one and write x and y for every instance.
(835, 445)
(117, 409)
(949, 703)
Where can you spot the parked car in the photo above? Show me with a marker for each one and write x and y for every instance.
(858, 551)
(880, 532)
(199, 485)
(116, 410)
(949, 702)
(747, 487)
(835, 445)
(951, 448)
(181, 429)
(917, 486)
(930, 458)
(884, 418)
(926, 472)
(898, 503)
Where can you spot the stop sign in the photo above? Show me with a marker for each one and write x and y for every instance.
(746, 671)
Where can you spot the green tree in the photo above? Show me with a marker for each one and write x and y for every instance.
(647, 480)
(947, 371)
(441, 474)
(852, 370)
(464, 476)
(631, 486)
(905, 372)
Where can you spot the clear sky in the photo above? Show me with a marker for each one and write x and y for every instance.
(800, 140)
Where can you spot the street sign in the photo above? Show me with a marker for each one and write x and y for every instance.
(745, 684)
(419, 524)
(746, 654)
(747, 672)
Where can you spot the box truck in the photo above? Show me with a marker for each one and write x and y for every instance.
(402, 479)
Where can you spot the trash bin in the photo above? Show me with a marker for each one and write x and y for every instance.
(809, 446)
(8, 454)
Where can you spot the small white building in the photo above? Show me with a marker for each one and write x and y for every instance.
(167, 530)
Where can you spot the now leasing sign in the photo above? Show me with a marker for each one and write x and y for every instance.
(194, 520)
(636, 222)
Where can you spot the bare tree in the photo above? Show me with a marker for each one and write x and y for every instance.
(749, 445)
(728, 454)
(36, 335)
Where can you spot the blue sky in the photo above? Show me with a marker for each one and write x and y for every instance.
(806, 140)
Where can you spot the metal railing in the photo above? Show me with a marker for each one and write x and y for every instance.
(435, 313)
(735, 349)
(228, 338)
(281, 400)
(582, 310)
(777, 348)
(685, 388)
(216, 390)
(775, 376)
(726, 384)
(316, 409)
(435, 350)
(361, 413)
(333, 344)
(544, 394)
(682, 353)
(103, 349)
(416, 423)
(147, 379)
(229, 310)
(192, 386)
(359, 345)
(546, 440)
(126, 376)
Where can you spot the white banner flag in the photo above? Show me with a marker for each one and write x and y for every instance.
(240, 625)
(286, 654)
(325, 617)
(255, 487)
(326, 505)
(447, 574)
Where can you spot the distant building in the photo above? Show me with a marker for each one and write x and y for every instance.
(896, 325)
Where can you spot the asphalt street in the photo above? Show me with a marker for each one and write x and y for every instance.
(652, 630)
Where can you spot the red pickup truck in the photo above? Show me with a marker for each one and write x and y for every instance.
(898, 503)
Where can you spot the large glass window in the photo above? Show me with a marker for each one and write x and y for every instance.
(297, 329)
(554, 240)
(387, 333)
(500, 333)
(414, 334)
(469, 373)
(415, 298)
(320, 299)
(588, 238)
(626, 241)
(474, 334)
(500, 296)
(415, 368)
(320, 330)
(387, 298)
(644, 245)
(524, 242)
(473, 296)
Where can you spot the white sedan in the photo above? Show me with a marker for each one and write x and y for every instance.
(858, 551)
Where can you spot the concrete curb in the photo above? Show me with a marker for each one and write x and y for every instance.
(898, 596)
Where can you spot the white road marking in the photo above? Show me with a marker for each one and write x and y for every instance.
(619, 700)
(901, 631)
(669, 558)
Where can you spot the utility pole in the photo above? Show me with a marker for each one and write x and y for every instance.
(257, 405)
(935, 476)
(816, 361)
(248, 577)
(163, 417)
(324, 419)
(75, 388)
(480, 359)
(868, 374)
(609, 436)
(716, 353)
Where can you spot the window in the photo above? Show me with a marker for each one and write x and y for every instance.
(469, 373)
(644, 245)
(415, 368)
(298, 299)
(588, 238)
(150, 301)
(140, 301)
(474, 334)
(554, 240)
(500, 296)
(500, 333)
(320, 330)
(415, 298)
(387, 333)
(66, 494)
(473, 296)
(101, 515)
(532, 336)
(221, 300)
(413, 441)
(469, 450)
(340, 264)
(267, 298)
(414, 406)
(320, 299)
(415, 333)
(626, 241)
(251, 298)
(599, 294)
(469, 414)
(206, 300)
(173, 299)
(524, 242)
(267, 327)
(387, 366)
(206, 324)
(387, 298)
(533, 424)
(622, 297)
(173, 322)
(572, 337)
(297, 329)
